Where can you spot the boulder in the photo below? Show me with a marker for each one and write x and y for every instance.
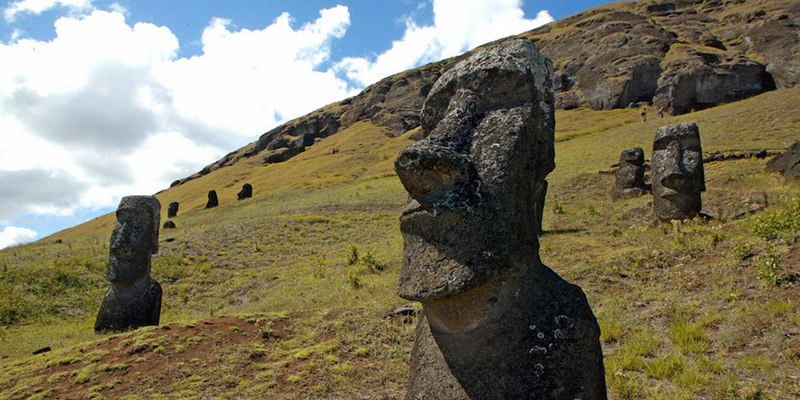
(787, 163)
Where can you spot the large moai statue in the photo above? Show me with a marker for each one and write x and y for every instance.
(678, 177)
(496, 322)
(246, 192)
(172, 210)
(630, 175)
(212, 199)
(134, 299)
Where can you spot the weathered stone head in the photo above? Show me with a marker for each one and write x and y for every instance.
(496, 322)
(213, 201)
(678, 177)
(246, 192)
(134, 238)
(172, 210)
(630, 174)
(134, 298)
(475, 178)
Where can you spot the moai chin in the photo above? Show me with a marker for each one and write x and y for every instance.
(678, 177)
(496, 322)
(134, 299)
(629, 180)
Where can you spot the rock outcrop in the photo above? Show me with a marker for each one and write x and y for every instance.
(681, 55)
(134, 299)
(496, 323)
(787, 163)
(678, 54)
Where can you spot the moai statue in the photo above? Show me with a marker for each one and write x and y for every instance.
(212, 199)
(172, 210)
(678, 177)
(496, 322)
(246, 192)
(134, 299)
(630, 175)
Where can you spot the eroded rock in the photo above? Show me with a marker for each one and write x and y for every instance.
(496, 323)
(787, 164)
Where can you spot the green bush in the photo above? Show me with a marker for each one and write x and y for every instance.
(782, 223)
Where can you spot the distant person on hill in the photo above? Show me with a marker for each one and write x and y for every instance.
(661, 112)
(644, 114)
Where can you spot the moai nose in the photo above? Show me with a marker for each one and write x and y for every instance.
(674, 175)
(427, 169)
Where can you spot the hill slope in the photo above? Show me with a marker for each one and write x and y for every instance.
(699, 310)
(290, 294)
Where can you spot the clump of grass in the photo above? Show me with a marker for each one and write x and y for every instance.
(689, 337)
(666, 367)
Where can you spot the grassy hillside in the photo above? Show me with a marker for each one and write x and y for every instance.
(290, 294)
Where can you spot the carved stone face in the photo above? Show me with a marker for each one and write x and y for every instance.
(134, 238)
(631, 170)
(474, 179)
(678, 176)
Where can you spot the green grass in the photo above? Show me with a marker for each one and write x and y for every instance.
(686, 310)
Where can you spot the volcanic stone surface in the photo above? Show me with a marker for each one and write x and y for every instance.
(497, 323)
(134, 299)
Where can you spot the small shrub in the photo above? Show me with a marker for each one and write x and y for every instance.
(352, 258)
(743, 251)
(782, 223)
(770, 269)
(372, 263)
(354, 279)
(557, 208)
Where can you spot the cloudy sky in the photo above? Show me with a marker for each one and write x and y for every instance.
(101, 99)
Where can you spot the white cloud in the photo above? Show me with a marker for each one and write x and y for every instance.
(40, 6)
(12, 235)
(459, 25)
(107, 109)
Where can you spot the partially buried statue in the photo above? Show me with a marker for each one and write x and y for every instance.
(497, 323)
(134, 299)
(678, 177)
(630, 175)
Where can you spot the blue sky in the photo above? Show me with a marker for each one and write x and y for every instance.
(101, 99)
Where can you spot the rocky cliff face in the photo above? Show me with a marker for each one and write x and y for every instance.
(678, 54)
